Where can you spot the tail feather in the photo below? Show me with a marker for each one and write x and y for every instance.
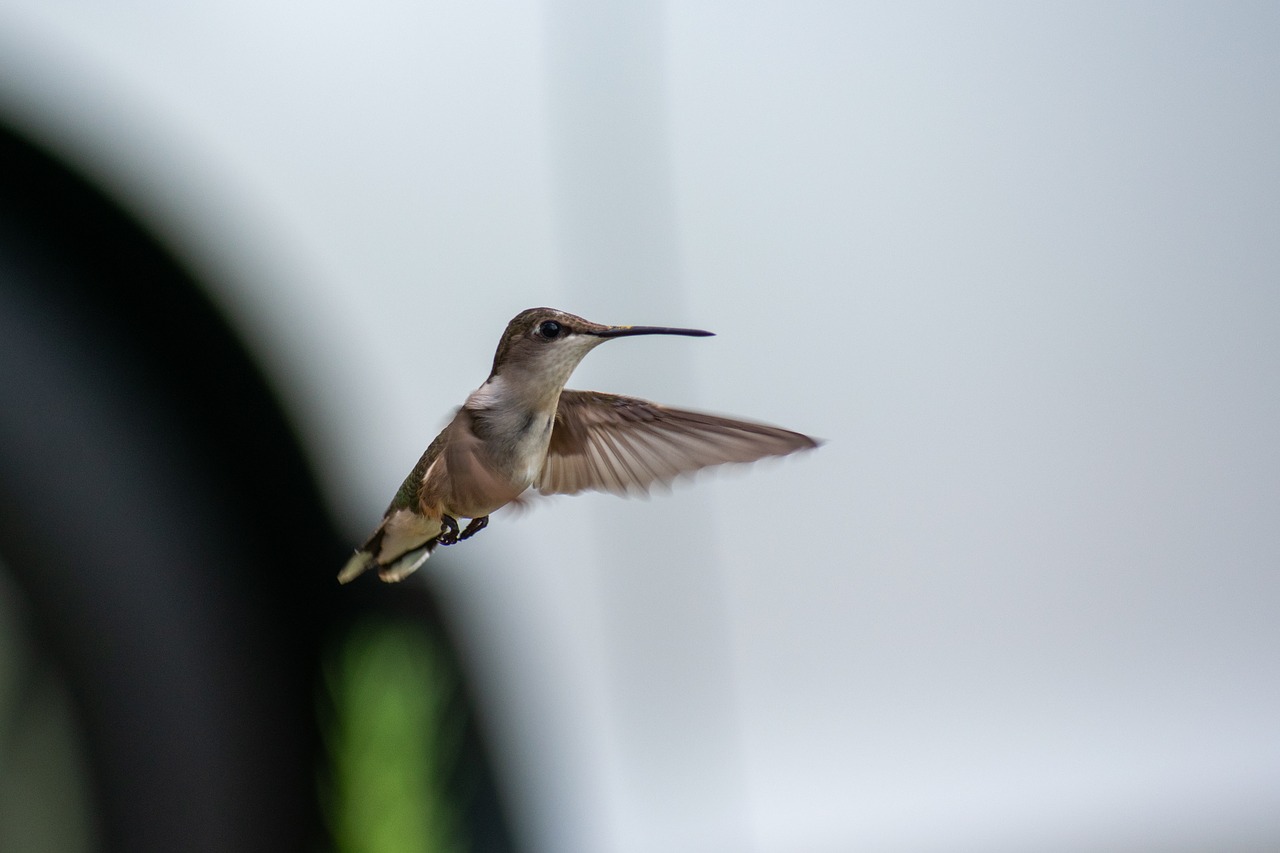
(397, 570)
(401, 544)
(406, 564)
(358, 564)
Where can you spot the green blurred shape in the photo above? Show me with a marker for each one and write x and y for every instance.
(46, 793)
(394, 738)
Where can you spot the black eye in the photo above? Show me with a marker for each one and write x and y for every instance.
(550, 330)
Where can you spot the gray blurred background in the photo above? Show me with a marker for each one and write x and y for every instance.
(1019, 264)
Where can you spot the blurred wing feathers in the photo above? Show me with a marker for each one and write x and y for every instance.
(607, 443)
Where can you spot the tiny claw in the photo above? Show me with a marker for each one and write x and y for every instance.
(449, 535)
(474, 526)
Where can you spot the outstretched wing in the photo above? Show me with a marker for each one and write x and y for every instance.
(607, 443)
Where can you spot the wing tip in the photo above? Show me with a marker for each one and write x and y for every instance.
(810, 442)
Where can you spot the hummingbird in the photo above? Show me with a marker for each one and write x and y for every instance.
(523, 430)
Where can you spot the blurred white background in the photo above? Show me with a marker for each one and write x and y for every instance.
(1018, 264)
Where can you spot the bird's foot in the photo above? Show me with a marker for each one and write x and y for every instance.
(449, 535)
(474, 526)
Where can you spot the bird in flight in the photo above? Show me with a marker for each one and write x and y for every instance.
(522, 429)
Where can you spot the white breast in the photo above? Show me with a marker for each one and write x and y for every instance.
(521, 428)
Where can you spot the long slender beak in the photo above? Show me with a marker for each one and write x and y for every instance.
(625, 331)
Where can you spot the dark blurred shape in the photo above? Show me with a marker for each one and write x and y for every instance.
(166, 534)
